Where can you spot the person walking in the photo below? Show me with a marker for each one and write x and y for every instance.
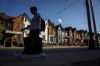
(33, 40)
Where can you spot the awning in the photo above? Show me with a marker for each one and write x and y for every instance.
(13, 32)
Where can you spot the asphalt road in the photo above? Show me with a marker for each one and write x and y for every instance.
(55, 57)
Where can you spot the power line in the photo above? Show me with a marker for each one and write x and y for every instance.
(83, 2)
(54, 13)
(76, 5)
(19, 3)
(68, 6)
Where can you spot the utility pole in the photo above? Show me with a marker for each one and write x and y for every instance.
(94, 25)
(91, 45)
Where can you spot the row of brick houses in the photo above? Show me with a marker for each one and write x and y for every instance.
(12, 26)
(53, 34)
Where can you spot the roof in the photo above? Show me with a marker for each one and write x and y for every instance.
(82, 31)
(50, 23)
(24, 14)
(57, 26)
(67, 28)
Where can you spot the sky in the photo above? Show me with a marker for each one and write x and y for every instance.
(68, 13)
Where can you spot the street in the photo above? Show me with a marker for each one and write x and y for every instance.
(55, 56)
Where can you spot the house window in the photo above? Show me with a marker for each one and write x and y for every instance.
(51, 38)
(4, 24)
(43, 37)
(66, 34)
(17, 26)
(59, 37)
(59, 32)
(71, 34)
(10, 26)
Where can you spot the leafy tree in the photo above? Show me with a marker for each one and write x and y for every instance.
(1, 35)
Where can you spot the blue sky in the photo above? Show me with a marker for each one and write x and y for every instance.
(67, 12)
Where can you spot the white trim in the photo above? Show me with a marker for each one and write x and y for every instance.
(13, 32)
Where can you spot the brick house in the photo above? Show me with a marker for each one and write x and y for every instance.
(69, 35)
(48, 34)
(78, 38)
(83, 35)
(58, 34)
(20, 22)
(65, 37)
(7, 25)
(72, 37)
(12, 26)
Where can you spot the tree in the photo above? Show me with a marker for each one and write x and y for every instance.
(1, 33)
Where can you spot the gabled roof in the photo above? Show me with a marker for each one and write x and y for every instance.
(67, 28)
(82, 31)
(50, 23)
(70, 28)
(74, 29)
(27, 16)
(24, 14)
(59, 25)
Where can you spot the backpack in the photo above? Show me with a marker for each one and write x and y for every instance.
(42, 25)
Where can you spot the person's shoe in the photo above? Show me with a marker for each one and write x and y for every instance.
(41, 55)
(19, 56)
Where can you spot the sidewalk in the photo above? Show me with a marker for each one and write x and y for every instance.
(2, 47)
